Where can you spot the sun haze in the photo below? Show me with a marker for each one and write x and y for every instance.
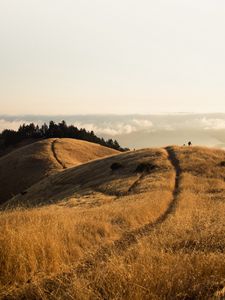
(101, 56)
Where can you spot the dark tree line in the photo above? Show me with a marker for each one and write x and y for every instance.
(53, 130)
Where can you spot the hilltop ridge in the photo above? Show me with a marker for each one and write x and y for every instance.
(27, 165)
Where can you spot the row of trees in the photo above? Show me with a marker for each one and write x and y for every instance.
(53, 130)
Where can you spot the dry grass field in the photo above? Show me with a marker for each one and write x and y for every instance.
(29, 164)
(151, 229)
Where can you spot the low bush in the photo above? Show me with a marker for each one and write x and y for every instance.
(145, 167)
(116, 166)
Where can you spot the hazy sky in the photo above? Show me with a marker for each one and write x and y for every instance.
(112, 56)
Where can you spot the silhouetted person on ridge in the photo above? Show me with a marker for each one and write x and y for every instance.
(189, 143)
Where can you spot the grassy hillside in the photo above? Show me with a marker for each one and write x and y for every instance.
(71, 152)
(23, 167)
(94, 180)
(6, 150)
(153, 229)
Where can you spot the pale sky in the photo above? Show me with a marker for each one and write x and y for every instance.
(112, 56)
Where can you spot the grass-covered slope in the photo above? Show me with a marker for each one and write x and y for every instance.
(152, 229)
(23, 167)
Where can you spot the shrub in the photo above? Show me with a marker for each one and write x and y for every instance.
(115, 166)
(23, 193)
(145, 167)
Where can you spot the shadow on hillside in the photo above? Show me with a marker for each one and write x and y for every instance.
(96, 176)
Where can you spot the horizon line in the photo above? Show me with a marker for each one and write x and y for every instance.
(110, 114)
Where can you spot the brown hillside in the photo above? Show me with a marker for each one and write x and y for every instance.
(23, 167)
(9, 149)
(71, 152)
(96, 180)
(151, 229)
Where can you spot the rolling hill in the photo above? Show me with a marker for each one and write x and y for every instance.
(29, 164)
(147, 224)
(96, 179)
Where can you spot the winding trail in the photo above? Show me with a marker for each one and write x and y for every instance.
(130, 238)
(55, 155)
(176, 164)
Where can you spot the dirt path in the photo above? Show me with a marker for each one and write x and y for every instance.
(55, 155)
(130, 238)
(176, 164)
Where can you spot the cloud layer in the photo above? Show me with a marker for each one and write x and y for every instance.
(125, 125)
(140, 131)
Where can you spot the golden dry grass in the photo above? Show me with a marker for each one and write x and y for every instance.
(29, 164)
(181, 257)
(184, 258)
(96, 181)
(73, 152)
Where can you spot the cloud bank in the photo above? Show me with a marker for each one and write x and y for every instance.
(137, 130)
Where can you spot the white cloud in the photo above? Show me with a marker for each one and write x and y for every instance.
(4, 124)
(15, 124)
(127, 125)
(113, 129)
(118, 128)
(143, 124)
(214, 124)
